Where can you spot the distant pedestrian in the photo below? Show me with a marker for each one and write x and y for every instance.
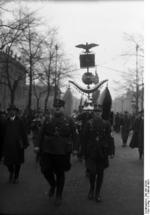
(97, 149)
(137, 140)
(117, 122)
(125, 127)
(55, 150)
(15, 141)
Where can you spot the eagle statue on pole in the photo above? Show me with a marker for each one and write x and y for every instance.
(87, 46)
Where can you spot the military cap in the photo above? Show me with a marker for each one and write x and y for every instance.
(58, 103)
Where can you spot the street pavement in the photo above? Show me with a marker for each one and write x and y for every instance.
(122, 190)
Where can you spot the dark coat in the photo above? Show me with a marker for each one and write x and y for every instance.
(98, 140)
(137, 140)
(15, 141)
(2, 130)
(56, 135)
(125, 128)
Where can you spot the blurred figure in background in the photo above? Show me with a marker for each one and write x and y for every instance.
(2, 130)
(125, 127)
(137, 140)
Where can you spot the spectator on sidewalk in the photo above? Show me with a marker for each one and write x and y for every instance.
(125, 127)
(15, 141)
(137, 140)
(2, 129)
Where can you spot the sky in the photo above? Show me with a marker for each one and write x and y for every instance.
(98, 22)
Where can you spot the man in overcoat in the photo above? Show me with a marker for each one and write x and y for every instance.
(137, 140)
(15, 141)
(125, 127)
(55, 148)
(2, 127)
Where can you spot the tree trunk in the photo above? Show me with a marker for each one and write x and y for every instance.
(46, 99)
(30, 92)
(37, 103)
(30, 75)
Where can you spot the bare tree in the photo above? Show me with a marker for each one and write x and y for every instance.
(31, 50)
(38, 93)
(134, 76)
(47, 69)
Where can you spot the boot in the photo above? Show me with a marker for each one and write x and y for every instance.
(91, 194)
(99, 181)
(58, 200)
(124, 144)
(16, 172)
(11, 175)
(51, 191)
(92, 186)
(98, 198)
(16, 180)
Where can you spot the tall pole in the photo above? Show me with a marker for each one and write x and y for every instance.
(137, 80)
(55, 79)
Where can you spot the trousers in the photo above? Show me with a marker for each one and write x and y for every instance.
(96, 181)
(54, 175)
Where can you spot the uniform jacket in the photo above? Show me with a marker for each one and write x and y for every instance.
(56, 135)
(98, 142)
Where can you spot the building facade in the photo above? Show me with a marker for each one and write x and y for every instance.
(12, 78)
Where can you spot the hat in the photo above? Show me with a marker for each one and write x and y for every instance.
(58, 103)
(98, 108)
(12, 107)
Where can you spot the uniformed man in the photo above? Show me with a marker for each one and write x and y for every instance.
(55, 148)
(97, 136)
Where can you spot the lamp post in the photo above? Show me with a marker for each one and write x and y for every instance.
(55, 79)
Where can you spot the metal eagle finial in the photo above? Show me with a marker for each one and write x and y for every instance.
(87, 46)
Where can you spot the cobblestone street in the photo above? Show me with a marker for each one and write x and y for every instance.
(122, 190)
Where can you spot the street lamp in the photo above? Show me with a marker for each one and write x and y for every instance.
(55, 79)
(137, 80)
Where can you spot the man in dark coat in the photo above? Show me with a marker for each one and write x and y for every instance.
(55, 148)
(125, 127)
(97, 134)
(2, 129)
(15, 141)
(137, 140)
